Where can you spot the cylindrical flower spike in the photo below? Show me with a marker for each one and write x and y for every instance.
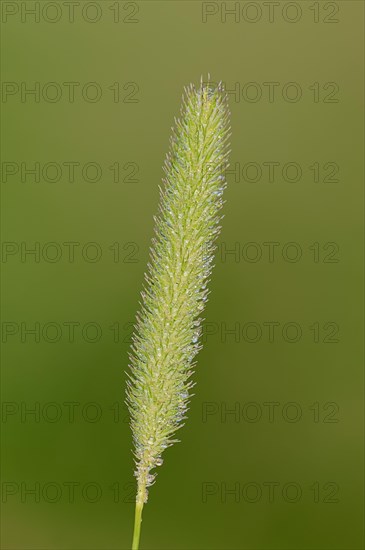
(168, 326)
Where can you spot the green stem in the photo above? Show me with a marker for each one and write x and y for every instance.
(137, 525)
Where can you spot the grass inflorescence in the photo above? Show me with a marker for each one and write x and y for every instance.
(166, 337)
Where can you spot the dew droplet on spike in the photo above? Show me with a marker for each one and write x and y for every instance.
(150, 480)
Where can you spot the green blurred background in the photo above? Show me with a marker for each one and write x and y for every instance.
(284, 471)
